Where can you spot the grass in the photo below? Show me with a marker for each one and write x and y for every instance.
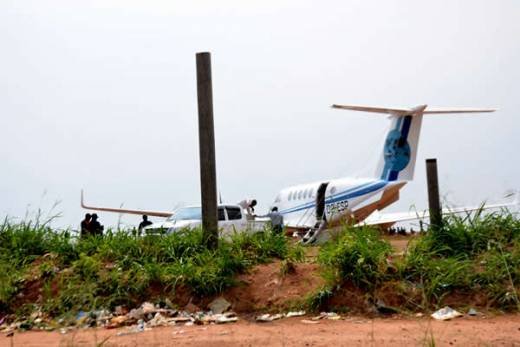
(357, 255)
(473, 257)
(61, 274)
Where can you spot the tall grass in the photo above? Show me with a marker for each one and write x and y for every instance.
(472, 254)
(119, 268)
(358, 255)
(476, 256)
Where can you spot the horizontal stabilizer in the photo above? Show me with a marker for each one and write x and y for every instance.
(410, 111)
(374, 109)
(458, 110)
(126, 211)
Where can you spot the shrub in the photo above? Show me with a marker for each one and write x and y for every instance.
(358, 255)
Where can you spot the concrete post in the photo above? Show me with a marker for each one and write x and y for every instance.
(433, 194)
(208, 175)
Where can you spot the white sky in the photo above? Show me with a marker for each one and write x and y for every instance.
(101, 95)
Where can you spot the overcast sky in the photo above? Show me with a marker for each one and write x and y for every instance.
(101, 95)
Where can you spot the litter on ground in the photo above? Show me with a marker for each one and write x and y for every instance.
(446, 313)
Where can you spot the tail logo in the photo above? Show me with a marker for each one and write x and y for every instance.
(397, 151)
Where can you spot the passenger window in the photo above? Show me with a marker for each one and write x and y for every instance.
(290, 196)
(234, 213)
(305, 194)
(300, 193)
(221, 215)
(332, 190)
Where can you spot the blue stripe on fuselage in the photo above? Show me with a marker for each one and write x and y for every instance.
(345, 195)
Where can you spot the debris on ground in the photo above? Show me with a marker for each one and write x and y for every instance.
(446, 313)
(327, 315)
(307, 321)
(219, 305)
(268, 317)
(117, 321)
(472, 312)
(229, 317)
(382, 308)
(140, 327)
(136, 320)
(295, 314)
(191, 308)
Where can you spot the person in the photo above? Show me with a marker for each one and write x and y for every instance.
(144, 223)
(85, 225)
(95, 227)
(249, 207)
(276, 220)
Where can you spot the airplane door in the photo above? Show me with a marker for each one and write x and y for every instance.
(320, 202)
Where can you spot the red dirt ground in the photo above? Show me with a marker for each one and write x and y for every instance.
(353, 331)
(265, 288)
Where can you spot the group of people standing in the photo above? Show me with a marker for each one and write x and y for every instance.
(276, 217)
(90, 226)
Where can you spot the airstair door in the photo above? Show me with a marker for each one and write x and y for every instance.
(320, 202)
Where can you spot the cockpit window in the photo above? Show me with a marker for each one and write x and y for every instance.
(187, 213)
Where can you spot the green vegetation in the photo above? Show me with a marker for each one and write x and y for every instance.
(358, 255)
(60, 273)
(472, 257)
(471, 260)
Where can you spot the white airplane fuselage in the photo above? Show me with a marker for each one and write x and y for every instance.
(337, 200)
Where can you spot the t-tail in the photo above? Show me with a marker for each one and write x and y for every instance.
(399, 154)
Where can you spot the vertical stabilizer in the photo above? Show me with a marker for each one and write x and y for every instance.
(397, 161)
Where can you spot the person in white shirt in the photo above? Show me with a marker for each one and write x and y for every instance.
(249, 207)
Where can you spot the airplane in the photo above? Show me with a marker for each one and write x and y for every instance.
(321, 205)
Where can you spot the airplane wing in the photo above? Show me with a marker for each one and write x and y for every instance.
(391, 218)
(121, 210)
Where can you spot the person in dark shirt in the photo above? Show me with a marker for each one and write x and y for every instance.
(85, 225)
(276, 220)
(95, 227)
(144, 223)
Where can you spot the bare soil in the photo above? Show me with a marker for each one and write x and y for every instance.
(353, 331)
(271, 287)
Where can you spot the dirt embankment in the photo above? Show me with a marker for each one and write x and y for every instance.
(274, 286)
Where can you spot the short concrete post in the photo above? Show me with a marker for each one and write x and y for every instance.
(433, 194)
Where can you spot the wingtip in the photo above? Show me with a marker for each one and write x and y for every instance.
(81, 201)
